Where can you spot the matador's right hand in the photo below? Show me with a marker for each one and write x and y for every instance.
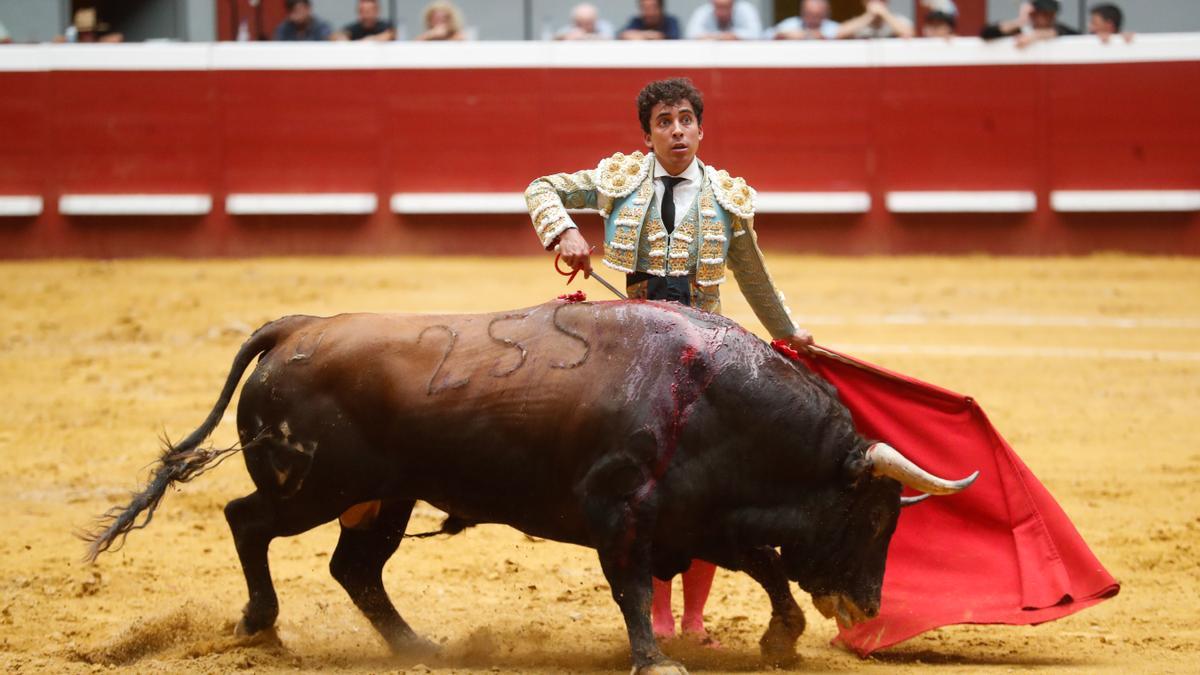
(575, 251)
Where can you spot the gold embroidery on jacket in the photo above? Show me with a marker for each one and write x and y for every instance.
(710, 266)
(732, 193)
(621, 253)
(621, 174)
(548, 210)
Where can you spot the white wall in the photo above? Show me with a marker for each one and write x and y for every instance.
(33, 20)
(200, 21)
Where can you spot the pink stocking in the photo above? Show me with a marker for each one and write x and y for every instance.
(697, 582)
(660, 614)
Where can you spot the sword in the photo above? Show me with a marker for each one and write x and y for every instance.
(570, 274)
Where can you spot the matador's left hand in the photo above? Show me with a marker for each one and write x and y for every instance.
(801, 340)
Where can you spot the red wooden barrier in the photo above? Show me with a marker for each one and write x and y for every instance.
(869, 117)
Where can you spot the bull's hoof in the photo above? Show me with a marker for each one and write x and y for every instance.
(266, 637)
(256, 619)
(248, 628)
(778, 643)
(413, 646)
(660, 668)
(778, 654)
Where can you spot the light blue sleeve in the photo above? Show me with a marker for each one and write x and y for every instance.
(787, 25)
(746, 24)
(699, 24)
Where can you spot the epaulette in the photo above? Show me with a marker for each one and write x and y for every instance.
(732, 193)
(620, 174)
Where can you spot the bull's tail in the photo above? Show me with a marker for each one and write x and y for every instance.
(183, 461)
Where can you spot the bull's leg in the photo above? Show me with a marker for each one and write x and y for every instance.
(619, 509)
(623, 541)
(252, 520)
(357, 564)
(629, 577)
(778, 643)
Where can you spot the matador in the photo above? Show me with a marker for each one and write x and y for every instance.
(673, 225)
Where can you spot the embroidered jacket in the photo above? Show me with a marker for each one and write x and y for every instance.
(718, 228)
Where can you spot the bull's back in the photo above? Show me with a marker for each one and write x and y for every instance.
(491, 411)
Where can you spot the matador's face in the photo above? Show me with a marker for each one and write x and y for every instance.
(675, 134)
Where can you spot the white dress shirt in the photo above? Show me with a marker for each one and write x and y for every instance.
(745, 23)
(685, 190)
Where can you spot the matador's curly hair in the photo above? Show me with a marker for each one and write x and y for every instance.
(670, 91)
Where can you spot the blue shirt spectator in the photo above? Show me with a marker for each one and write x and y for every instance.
(724, 20)
(651, 23)
(301, 24)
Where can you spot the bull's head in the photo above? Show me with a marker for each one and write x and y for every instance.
(842, 565)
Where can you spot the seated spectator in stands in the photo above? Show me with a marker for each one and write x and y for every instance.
(369, 26)
(941, 19)
(301, 25)
(724, 20)
(813, 23)
(443, 21)
(1036, 20)
(86, 27)
(586, 24)
(652, 23)
(876, 21)
(1105, 21)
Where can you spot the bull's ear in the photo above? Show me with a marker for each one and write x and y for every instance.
(856, 465)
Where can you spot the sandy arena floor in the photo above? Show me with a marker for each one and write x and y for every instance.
(1090, 367)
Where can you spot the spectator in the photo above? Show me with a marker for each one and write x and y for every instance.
(301, 25)
(1105, 21)
(941, 19)
(813, 23)
(876, 21)
(443, 21)
(724, 20)
(369, 26)
(86, 27)
(586, 24)
(5, 38)
(652, 23)
(1036, 20)
(939, 24)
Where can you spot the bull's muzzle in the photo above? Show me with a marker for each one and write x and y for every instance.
(844, 610)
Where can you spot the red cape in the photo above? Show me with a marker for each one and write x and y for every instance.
(1001, 551)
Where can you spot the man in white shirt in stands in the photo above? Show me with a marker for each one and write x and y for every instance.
(586, 24)
(724, 20)
(876, 21)
(813, 23)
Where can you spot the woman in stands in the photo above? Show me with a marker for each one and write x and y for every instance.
(443, 21)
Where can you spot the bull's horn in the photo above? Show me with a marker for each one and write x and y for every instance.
(887, 461)
(909, 501)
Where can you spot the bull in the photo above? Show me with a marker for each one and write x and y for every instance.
(651, 432)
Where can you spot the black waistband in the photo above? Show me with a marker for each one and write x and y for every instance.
(677, 289)
(638, 277)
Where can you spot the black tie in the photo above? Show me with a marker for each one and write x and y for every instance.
(668, 201)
